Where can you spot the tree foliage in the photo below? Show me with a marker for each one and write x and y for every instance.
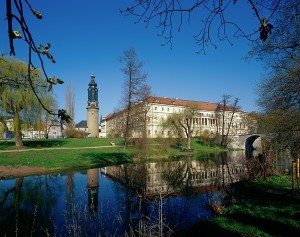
(17, 13)
(18, 100)
(279, 90)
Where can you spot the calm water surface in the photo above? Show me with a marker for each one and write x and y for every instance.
(112, 201)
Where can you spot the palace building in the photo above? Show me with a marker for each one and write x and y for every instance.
(147, 117)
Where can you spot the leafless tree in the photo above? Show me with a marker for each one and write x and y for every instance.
(134, 81)
(141, 114)
(70, 104)
(182, 122)
(213, 17)
(225, 114)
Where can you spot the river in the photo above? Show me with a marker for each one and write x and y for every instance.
(154, 198)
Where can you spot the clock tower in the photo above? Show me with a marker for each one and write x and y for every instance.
(93, 109)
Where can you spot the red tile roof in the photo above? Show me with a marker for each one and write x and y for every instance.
(207, 106)
(169, 101)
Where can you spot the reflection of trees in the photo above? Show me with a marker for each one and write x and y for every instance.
(178, 176)
(27, 211)
(153, 191)
(181, 176)
(9, 204)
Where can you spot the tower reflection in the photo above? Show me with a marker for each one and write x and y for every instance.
(93, 187)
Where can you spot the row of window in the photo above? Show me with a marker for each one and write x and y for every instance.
(179, 110)
(161, 132)
(167, 109)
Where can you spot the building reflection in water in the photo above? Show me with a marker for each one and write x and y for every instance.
(173, 177)
(93, 187)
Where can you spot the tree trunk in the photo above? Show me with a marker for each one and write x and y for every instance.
(17, 131)
(188, 142)
(18, 140)
(126, 129)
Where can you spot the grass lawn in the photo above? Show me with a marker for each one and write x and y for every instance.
(258, 208)
(87, 152)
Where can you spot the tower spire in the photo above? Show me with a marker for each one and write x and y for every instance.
(93, 108)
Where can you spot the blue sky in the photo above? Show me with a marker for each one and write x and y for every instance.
(88, 36)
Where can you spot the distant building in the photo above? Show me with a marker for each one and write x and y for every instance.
(55, 129)
(207, 119)
(52, 129)
(82, 126)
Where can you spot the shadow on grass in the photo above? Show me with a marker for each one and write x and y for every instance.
(205, 228)
(264, 195)
(271, 227)
(43, 143)
(10, 144)
(103, 159)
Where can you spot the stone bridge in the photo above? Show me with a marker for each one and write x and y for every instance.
(248, 142)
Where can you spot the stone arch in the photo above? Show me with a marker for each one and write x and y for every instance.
(249, 148)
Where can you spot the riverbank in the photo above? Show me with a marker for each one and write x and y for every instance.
(67, 154)
(12, 171)
(256, 208)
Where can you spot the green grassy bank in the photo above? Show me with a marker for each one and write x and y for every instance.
(69, 153)
(256, 208)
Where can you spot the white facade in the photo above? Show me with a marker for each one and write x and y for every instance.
(208, 118)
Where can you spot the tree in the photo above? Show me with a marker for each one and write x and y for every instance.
(134, 81)
(212, 16)
(17, 98)
(280, 102)
(278, 91)
(283, 45)
(18, 29)
(70, 104)
(225, 114)
(250, 122)
(182, 123)
(141, 115)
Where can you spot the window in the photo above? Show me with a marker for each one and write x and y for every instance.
(155, 108)
(162, 109)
